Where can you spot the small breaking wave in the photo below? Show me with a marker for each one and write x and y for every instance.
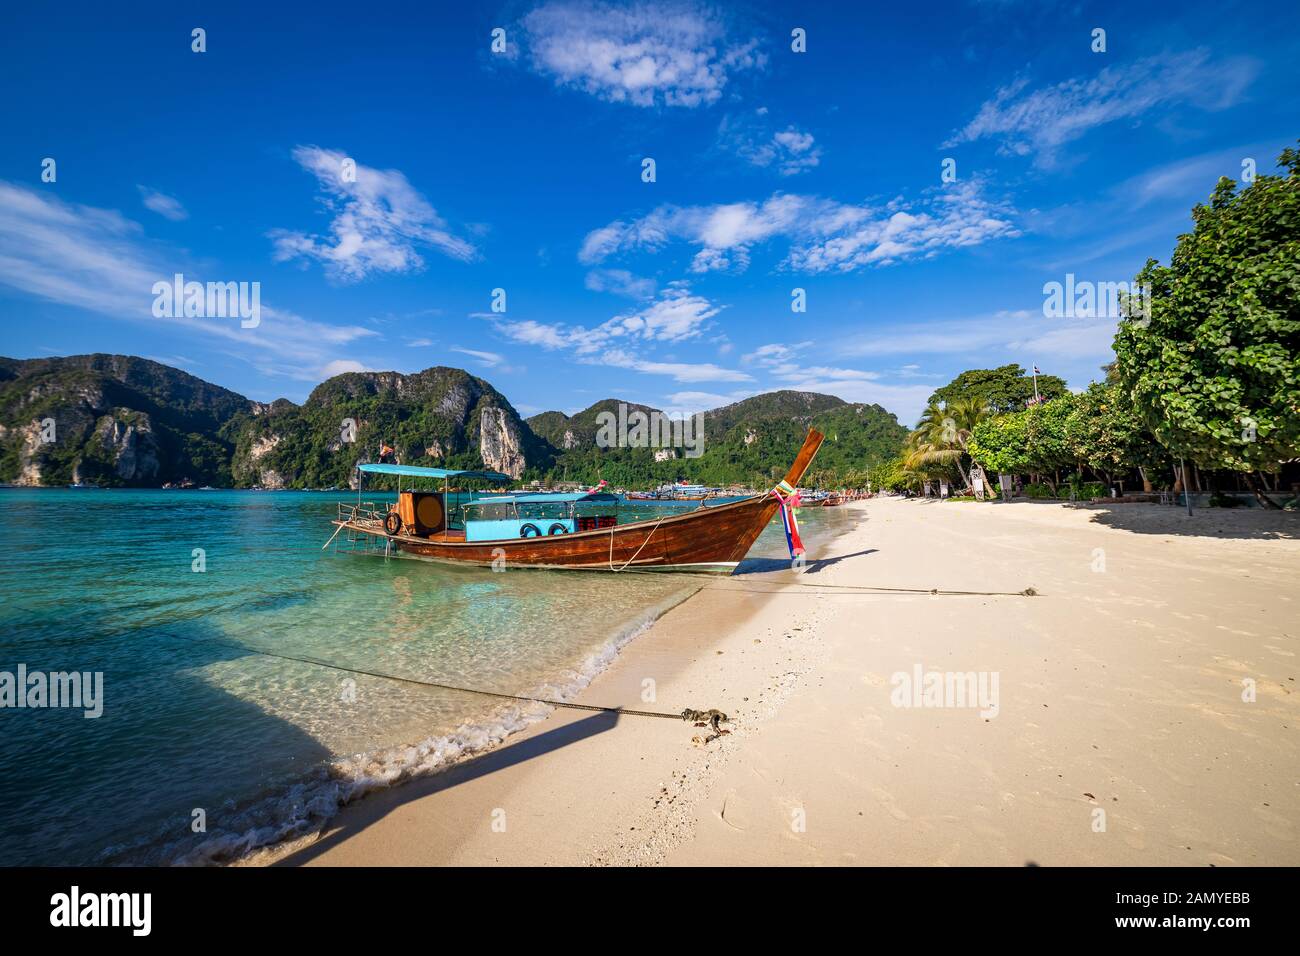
(290, 816)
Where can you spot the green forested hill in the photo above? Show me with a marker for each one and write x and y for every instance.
(749, 442)
(443, 417)
(117, 420)
(122, 420)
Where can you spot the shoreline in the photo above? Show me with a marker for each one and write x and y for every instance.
(1120, 693)
(610, 686)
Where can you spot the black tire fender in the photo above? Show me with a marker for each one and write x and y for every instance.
(393, 523)
(529, 530)
(557, 528)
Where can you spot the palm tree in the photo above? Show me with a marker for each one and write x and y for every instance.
(938, 445)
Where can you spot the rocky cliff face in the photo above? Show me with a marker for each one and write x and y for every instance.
(501, 442)
(112, 420)
(130, 445)
(441, 417)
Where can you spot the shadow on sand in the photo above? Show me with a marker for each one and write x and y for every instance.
(1245, 523)
(770, 565)
(376, 806)
(1249, 524)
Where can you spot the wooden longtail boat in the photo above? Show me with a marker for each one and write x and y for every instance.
(711, 539)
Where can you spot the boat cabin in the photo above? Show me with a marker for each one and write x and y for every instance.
(458, 515)
(498, 517)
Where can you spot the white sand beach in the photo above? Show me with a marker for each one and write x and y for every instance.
(1120, 689)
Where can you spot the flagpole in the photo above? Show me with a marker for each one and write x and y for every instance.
(1036, 398)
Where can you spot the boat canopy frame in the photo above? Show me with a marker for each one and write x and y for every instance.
(422, 471)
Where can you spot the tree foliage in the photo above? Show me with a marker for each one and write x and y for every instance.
(1109, 436)
(1214, 370)
(1033, 440)
(1004, 389)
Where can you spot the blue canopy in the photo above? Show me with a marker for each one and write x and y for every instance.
(415, 471)
(542, 498)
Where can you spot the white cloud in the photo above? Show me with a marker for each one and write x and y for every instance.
(1077, 339)
(1041, 122)
(825, 235)
(1004, 336)
(340, 366)
(689, 402)
(379, 223)
(680, 371)
(643, 53)
(789, 151)
(620, 282)
(490, 359)
(98, 260)
(675, 316)
(781, 362)
(176, 361)
(163, 205)
(678, 315)
(528, 332)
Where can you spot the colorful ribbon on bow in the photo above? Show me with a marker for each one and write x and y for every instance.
(789, 498)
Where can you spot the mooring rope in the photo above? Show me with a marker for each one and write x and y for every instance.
(712, 716)
(1027, 592)
(613, 528)
(851, 588)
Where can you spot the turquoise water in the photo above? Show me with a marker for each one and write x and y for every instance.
(196, 726)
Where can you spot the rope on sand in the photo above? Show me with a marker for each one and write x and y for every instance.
(851, 588)
(1027, 592)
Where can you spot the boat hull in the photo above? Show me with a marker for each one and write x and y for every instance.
(710, 540)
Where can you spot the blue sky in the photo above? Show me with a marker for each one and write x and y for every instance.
(522, 170)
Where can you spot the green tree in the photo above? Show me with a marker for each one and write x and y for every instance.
(1032, 440)
(938, 447)
(1213, 367)
(1004, 389)
(1001, 443)
(1107, 434)
(1049, 448)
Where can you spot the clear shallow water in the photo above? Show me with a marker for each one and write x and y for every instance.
(102, 581)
